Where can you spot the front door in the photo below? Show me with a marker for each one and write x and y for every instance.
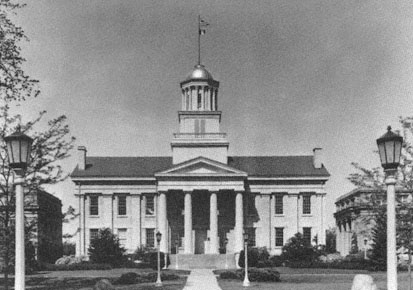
(200, 238)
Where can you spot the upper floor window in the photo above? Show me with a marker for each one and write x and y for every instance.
(307, 235)
(306, 204)
(150, 205)
(122, 205)
(279, 237)
(94, 205)
(279, 203)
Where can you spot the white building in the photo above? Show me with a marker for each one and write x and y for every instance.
(199, 196)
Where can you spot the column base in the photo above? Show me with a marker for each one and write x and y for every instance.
(236, 256)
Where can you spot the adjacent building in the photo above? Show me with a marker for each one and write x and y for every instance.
(200, 198)
(355, 217)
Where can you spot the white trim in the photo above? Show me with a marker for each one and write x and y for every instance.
(287, 178)
(113, 178)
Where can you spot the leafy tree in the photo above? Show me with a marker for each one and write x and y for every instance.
(50, 146)
(298, 249)
(374, 179)
(331, 240)
(105, 248)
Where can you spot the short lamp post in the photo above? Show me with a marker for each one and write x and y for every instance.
(177, 253)
(158, 282)
(18, 150)
(246, 282)
(365, 248)
(226, 254)
(390, 145)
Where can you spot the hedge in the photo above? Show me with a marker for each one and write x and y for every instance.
(254, 275)
(74, 267)
(135, 278)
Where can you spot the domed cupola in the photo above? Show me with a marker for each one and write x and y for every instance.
(199, 90)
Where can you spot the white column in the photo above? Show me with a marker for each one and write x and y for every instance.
(194, 98)
(213, 224)
(83, 233)
(162, 222)
(188, 223)
(391, 233)
(239, 222)
(19, 278)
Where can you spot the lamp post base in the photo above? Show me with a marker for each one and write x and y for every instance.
(246, 283)
(158, 284)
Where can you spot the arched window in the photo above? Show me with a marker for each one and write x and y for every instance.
(199, 100)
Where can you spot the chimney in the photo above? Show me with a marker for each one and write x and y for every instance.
(81, 157)
(317, 158)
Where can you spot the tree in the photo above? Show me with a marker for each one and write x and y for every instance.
(374, 179)
(331, 240)
(52, 141)
(298, 249)
(105, 248)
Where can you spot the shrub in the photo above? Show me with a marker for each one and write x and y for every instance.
(134, 278)
(105, 248)
(276, 261)
(254, 275)
(151, 259)
(298, 249)
(69, 249)
(74, 267)
(253, 258)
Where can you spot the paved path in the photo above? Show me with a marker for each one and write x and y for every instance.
(201, 279)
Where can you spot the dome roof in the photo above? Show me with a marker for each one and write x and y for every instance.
(199, 73)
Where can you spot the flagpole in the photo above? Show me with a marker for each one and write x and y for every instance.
(199, 39)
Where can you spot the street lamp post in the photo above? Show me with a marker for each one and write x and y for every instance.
(390, 145)
(226, 254)
(158, 282)
(18, 151)
(246, 282)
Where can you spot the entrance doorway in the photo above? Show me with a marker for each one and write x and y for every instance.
(200, 238)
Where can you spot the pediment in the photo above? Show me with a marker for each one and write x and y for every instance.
(201, 166)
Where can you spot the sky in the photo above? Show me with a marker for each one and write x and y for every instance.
(293, 75)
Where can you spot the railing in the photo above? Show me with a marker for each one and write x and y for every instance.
(200, 135)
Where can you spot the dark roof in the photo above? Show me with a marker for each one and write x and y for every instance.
(261, 166)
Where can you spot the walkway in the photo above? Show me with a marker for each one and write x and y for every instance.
(201, 279)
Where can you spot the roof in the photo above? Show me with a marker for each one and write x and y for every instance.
(260, 166)
(358, 191)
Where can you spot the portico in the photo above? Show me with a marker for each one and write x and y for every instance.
(202, 183)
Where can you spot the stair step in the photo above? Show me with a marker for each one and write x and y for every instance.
(207, 261)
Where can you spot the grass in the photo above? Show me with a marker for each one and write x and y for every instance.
(320, 279)
(85, 280)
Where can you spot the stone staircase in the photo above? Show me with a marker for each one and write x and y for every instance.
(206, 261)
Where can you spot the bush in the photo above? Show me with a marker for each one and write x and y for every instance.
(276, 261)
(254, 275)
(135, 278)
(105, 248)
(298, 249)
(257, 257)
(74, 267)
(339, 264)
(151, 259)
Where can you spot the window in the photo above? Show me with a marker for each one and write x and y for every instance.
(122, 237)
(93, 234)
(307, 235)
(150, 205)
(279, 237)
(251, 236)
(306, 204)
(279, 205)
(199, 100)
(94, 205)
(150, 238)
(122, 205)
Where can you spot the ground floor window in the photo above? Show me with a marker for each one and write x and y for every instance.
(251, 237)
(93, 234)
(279, 237)
(122, 237)
(307, 235)
(150, 238)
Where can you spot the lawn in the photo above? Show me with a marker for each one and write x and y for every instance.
(320, 279)
(75, 280)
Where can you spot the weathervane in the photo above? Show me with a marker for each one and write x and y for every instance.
(202, 25)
